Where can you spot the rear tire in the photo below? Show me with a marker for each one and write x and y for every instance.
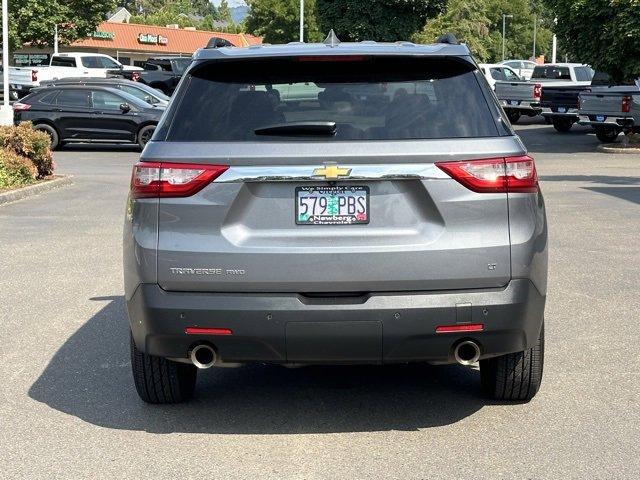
(145, 134)
(562, 125)
(513, 116)
(53, 134)
(159, 380)
(607, 134)
(515, 376)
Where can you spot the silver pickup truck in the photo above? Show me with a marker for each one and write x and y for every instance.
(611, 111)
(523, 98)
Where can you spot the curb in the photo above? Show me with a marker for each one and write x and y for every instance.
(619, 150)
(31, 190)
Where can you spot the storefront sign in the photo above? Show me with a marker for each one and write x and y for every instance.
(102, 35)
(30, 59)
(150, 39)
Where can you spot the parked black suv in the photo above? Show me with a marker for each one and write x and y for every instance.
(88, 113)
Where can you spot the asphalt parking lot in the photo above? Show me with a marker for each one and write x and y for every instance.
(69, 409)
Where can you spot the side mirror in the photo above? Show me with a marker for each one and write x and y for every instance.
(125, 107)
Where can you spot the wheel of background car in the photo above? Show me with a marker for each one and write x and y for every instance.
(513, 116)
(144, 135)
(49, 130)
(607, 134)
(562, 125)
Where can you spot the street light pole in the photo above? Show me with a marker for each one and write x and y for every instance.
(6, 112)
(302, 20)
(504, 28)
(535, 34)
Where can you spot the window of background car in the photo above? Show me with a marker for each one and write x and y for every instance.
(552, 72)
(106, 100)
(369, 98)
(138, 93)
(48, 98)
(584, 74)
(497, 74)
(91, 62)
(63, 62)
(73, 98)
(510, 75)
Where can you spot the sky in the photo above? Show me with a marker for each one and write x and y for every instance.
(232, 3)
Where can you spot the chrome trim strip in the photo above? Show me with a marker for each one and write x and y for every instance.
(295, 173)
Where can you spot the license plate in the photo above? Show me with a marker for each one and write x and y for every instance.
(514, 102)
(338, 205)
(600, 118)
(562, 109)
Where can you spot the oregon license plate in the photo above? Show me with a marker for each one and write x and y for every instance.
(337, 205)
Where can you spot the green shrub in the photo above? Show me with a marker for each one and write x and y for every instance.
(15, 170)
(30, 143)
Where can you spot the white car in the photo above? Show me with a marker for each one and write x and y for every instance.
(524, 68)
(494, 72)
(64, 65)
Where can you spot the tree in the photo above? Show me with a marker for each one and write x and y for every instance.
(602, 33)
(381, 20)
(479, 25)
(34, 21)
(224, 13)
(278, 21)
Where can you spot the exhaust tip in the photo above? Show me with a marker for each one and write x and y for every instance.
(203, 356)
(467, 352)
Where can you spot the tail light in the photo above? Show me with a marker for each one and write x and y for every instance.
(537, 91)
(135, 76)
(34, 75)
(19, 106)
(495, 175)
(160, 179)
(626, 104)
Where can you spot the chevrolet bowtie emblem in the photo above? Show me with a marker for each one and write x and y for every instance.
(331, 172)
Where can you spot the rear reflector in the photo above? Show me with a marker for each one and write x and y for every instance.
(161, 179)
(494, 175)
(626, 103)
(207, 331)
(463, 327)
(19, 107)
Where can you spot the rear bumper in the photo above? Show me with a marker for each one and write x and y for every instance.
(374, 328)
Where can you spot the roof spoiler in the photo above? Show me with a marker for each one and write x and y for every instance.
(449, 38)
(217, 42)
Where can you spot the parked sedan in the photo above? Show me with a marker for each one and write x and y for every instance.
(144, 92)
(88, 113)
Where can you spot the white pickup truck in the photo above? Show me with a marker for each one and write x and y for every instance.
(523, 98)
(63, 65)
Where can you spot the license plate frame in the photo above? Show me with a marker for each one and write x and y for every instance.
(357, 218)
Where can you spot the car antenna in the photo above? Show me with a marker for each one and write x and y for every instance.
(332, 39)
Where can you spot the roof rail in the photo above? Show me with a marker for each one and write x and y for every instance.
(449, 38)
(217, 42)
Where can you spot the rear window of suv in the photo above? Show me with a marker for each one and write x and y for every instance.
(548, 71)
(368, 98)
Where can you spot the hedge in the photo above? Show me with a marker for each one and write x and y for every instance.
(15, 170)
(27, 142)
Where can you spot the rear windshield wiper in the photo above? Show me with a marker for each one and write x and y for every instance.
(298, 128)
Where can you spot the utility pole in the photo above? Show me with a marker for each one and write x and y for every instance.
(302, 20)
(6, 112)
(535, 34)
(55, 40)
(504, 31)
(554, 49)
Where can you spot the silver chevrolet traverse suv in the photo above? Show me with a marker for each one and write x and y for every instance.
(339, 203)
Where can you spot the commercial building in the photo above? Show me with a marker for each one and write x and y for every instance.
(133, 44)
